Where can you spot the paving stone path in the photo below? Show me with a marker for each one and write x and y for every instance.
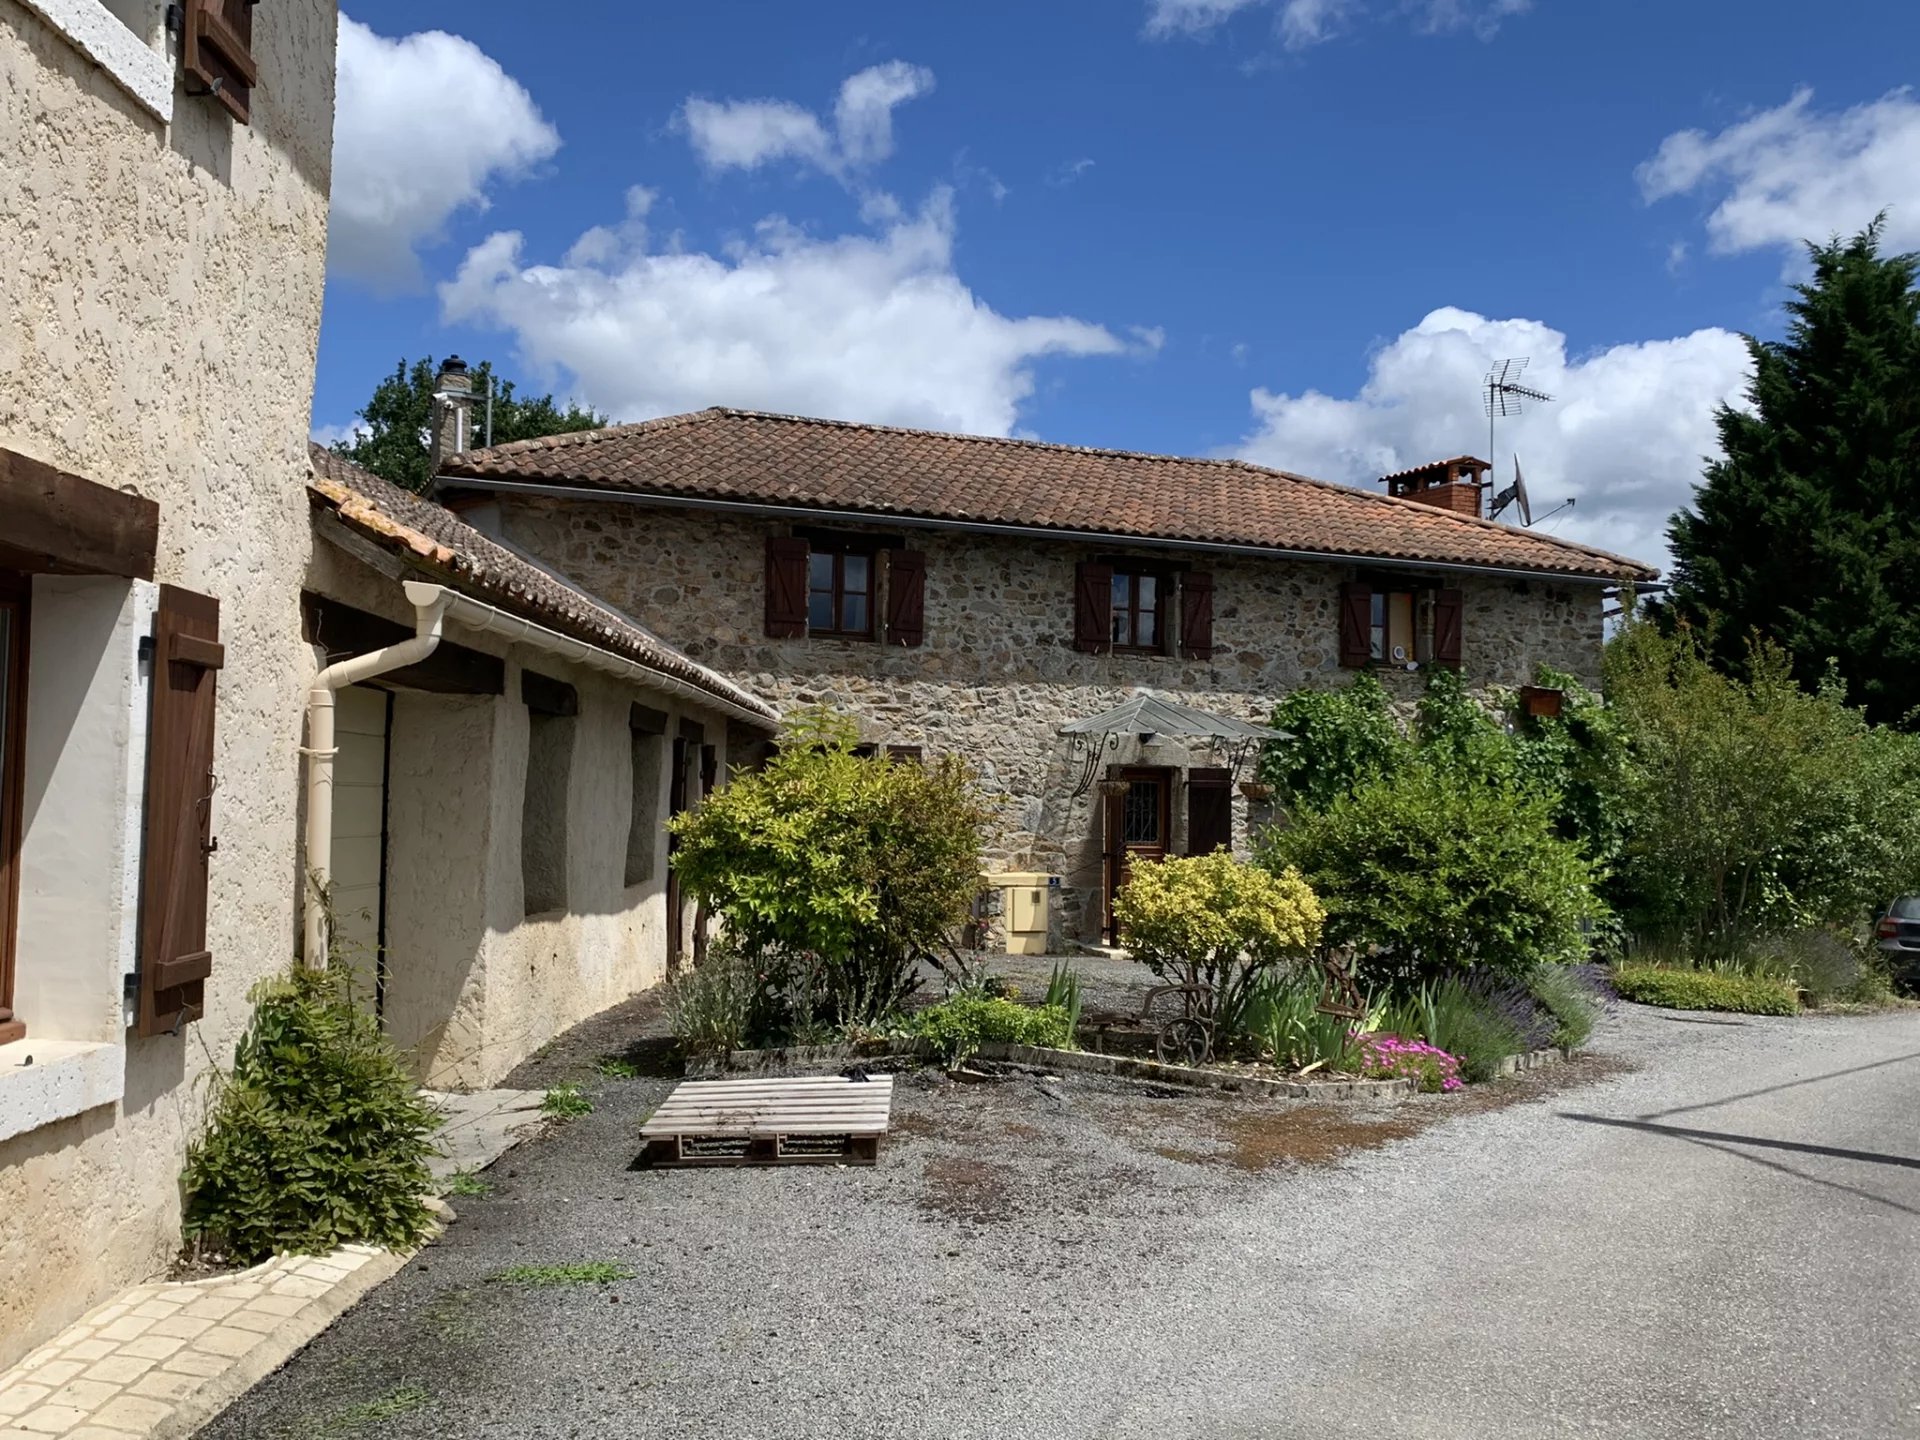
(144, 1363)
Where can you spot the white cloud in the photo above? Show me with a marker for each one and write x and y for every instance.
(873, 327)
(1308, 22)
(746, 134)
(332, 435)
(1192, 17)
(422, 126)
(1302, 24)
(1795, 173)
(1067, 172)
(1626, 434)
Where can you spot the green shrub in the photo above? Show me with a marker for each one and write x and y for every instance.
(1210, 920)
(837, 873)
(958, 1027)
(1482, 1025)
(1442, 872)
(1341, 740)
(723, 1004)
(1755, 806)
(1704, 990)
(317, 1138)
(1565, 994)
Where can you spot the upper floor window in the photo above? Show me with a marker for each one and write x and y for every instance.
(1136, 611)
(1135, 608)
(840, 594)
(845, 587)
(1397, 624)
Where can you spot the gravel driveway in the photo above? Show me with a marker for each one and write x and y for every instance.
(1707, 1231)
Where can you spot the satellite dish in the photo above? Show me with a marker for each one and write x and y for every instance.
(1514, 494)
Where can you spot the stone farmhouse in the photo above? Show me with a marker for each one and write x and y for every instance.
(958, 593)
(239, 677)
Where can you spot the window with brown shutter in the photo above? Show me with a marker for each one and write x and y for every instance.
(906, 597)
(13, 713)
(1356, 624)
(1093, 607)
(1448, 609)
(1196, 615)
(216, 52)
(1399, 623)
(1209, 811)
(174, 959)
(787, 586)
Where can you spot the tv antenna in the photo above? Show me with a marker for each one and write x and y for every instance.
(1506, 395)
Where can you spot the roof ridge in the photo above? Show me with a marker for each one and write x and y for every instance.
(568, 439)
(572, 439)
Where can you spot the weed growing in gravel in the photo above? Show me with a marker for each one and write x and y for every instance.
(467, 1182)
(589, 1272)
(614, 1068)
(391, 1406)
(452, 1316)
(566, 1102)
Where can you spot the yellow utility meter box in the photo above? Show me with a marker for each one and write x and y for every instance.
(1026, 905)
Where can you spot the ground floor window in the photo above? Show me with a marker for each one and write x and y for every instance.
(13, 709)
(552, 711)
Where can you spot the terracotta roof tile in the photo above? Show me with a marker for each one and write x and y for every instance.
(876, 470)
(436, 539)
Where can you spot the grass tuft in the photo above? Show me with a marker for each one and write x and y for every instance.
(613, 1067)
(589, 1272)
(406, 1400)
(467, 1182)
(566, 1102)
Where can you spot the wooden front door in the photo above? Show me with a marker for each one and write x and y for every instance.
(1138, 822)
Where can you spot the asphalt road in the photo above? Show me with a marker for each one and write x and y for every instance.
(1708, 1234)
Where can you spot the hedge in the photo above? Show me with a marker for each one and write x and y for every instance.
(1705, 990)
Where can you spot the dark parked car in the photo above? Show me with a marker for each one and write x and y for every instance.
(1898, 936)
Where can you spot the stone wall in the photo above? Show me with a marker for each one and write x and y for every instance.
(159, 309)
(998, 675)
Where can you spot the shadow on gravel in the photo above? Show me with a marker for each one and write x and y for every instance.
(1784, 1085)
(1725, 1137)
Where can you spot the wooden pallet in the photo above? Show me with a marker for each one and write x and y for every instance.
(809, 1120)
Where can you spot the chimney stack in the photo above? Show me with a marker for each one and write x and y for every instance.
(451, 428)
(1455, 484)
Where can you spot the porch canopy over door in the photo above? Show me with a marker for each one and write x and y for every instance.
(1144, 714)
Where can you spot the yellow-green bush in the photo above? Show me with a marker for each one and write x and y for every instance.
(1210, 920)
(1705, 990)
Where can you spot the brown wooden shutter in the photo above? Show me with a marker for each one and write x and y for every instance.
(1356, 625)
(1448, 607)
(787, 557)
(1093, 607)
(1196, 616)
(216, 51)
(174, 959)
(1209, 811)
(906, 597)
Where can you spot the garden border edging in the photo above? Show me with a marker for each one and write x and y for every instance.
(1086, 1061)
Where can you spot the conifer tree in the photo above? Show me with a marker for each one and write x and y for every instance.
(1808, 531)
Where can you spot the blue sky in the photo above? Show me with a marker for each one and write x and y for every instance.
(1291, 229)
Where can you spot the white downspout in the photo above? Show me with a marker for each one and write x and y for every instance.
(429, 615)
